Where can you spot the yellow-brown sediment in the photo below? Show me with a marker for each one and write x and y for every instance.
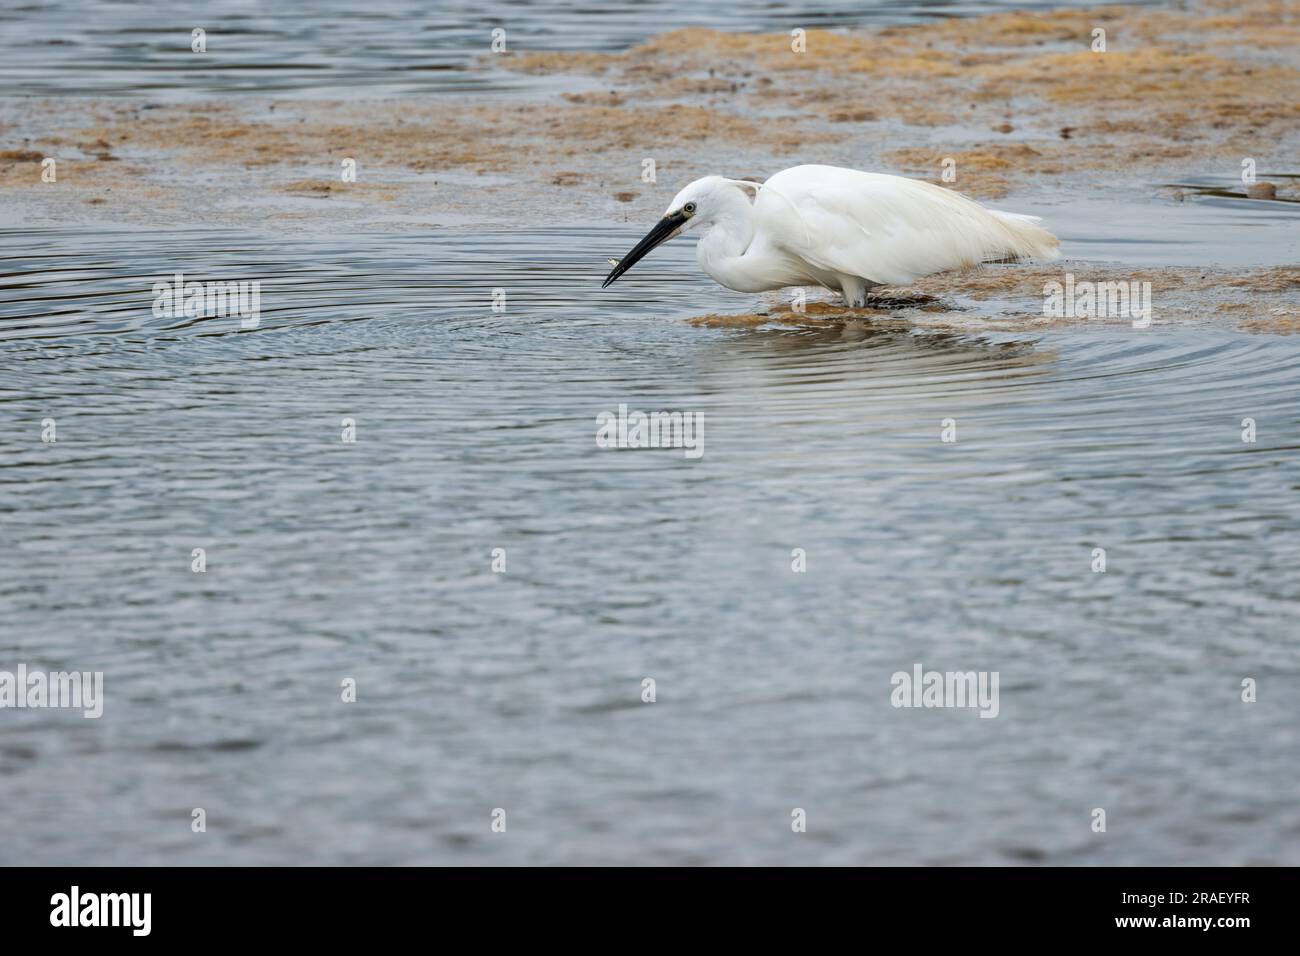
(1012, 99)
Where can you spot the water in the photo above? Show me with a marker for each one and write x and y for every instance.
(332, 48)
(475, 430)
(1212, 226)
(476, 690)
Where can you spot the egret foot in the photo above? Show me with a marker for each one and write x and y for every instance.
(899, 301)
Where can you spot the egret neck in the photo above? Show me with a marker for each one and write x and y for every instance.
(728, 233)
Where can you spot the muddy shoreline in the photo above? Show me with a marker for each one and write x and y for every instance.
(1000, 107)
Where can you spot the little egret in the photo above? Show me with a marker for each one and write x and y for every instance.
(843, 229)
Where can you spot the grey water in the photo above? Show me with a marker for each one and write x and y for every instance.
(332, 48)
(521, 689)
(519, 685)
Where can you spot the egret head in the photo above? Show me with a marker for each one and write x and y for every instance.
(699, 204)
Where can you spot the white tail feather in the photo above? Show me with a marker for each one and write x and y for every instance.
(1028, 238)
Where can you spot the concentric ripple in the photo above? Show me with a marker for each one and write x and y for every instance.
(476, 430)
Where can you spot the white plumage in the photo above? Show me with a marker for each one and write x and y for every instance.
(839, 228)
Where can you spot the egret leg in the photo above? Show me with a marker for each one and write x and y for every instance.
(854, 290)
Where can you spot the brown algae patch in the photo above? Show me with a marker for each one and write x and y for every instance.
(11, 156)
(882, 306)
(1009, 100)
(1168, 85)
(1011, 297)
(232, 150)
(721, 321)
(986, 171)
(1177, 295)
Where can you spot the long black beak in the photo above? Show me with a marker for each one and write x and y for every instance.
(662, 230)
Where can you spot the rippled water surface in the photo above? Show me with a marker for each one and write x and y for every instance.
(333, 47)
(475, 430)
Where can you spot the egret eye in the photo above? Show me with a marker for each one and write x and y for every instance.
(689, 209)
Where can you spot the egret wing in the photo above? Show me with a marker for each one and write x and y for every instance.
(887, 229)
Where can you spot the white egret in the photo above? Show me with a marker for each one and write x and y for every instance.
(846, 230)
